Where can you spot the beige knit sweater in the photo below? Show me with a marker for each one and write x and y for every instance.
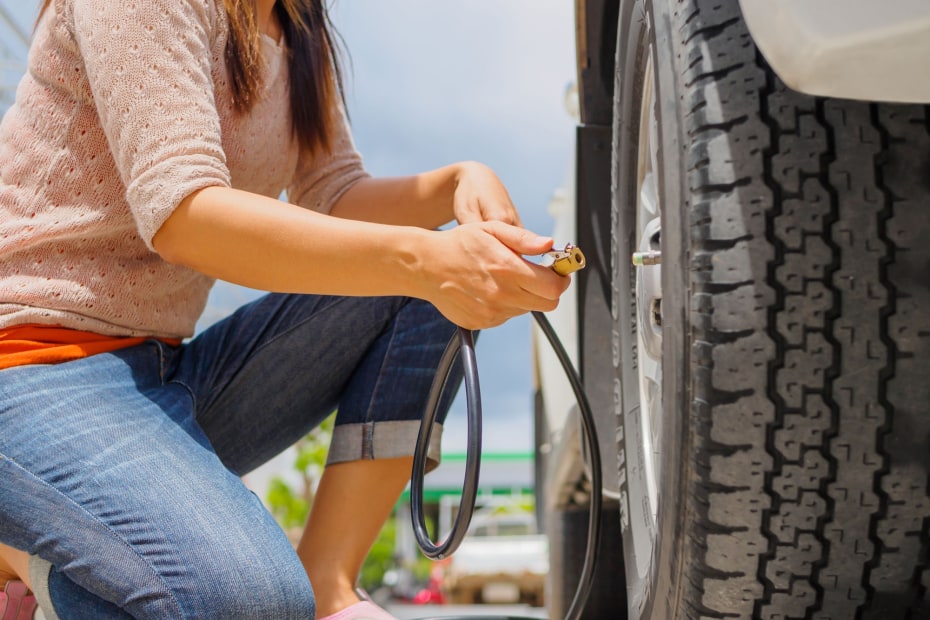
(125, 110)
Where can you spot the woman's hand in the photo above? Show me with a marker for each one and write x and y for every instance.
(480, 196)
(476, 276)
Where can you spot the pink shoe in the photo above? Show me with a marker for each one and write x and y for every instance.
(364, 610)
(16, 603)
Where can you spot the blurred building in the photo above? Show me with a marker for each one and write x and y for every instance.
(503, 476)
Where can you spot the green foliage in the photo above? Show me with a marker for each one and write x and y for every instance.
(381, 557)
(290, 506)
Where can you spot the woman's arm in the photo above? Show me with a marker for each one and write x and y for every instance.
(474, 273)
(466, 191)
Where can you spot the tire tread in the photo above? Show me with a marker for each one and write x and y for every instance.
(809, 494)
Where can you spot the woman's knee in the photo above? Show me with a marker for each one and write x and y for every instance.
(249, 572)
(244, 584)
(276, 591)
(258, 592)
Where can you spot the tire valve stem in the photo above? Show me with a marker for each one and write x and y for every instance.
(642, 259)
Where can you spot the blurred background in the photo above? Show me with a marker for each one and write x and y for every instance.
(431, 82)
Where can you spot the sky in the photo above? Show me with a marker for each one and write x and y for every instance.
(432, 82)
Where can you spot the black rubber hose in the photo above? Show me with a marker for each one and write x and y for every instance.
(589, 437)
(464, 344)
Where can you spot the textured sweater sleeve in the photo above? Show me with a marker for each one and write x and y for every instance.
(323, 177)
(150, 67)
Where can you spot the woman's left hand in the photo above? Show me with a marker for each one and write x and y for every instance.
(480, 196)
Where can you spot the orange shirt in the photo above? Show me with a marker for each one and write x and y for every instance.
(45, 344)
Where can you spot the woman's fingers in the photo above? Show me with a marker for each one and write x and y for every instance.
(480, 196)
(482, 279)
(520, 240)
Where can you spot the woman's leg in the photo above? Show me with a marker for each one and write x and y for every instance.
(370, 459)
(105, 474)
(14, 565)
(357, 497)
(279, 366)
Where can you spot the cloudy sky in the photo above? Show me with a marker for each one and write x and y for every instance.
(436, 81)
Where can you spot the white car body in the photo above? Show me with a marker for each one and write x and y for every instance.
(853, 49)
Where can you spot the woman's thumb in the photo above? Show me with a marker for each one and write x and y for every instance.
(520, 240)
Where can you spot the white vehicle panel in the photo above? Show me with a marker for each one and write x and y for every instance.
(854, 49)
(557, 391)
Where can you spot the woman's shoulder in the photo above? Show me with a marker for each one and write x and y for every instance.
(197, 18)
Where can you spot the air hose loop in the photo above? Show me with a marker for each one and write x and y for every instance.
(464, 344)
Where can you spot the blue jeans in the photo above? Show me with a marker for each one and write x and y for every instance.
(122, 469)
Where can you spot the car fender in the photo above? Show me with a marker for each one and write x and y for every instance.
(854, 49)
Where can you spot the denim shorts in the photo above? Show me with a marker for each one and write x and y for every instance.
(122, 469)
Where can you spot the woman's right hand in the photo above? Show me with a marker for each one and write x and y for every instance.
(475, 274)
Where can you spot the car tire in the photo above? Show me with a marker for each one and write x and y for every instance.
(784, 471)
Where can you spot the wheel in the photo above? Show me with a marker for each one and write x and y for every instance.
(772, 396)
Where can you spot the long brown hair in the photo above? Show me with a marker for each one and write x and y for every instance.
(315, 71)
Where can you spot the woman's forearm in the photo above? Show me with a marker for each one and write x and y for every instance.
(271, 245)
(474, 273)
(424, 200)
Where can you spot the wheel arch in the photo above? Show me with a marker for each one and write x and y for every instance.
(595, 44)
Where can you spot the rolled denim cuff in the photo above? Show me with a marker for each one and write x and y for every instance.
(382, 440)
(38, 575)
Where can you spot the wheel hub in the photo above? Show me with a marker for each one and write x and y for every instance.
(649, 292)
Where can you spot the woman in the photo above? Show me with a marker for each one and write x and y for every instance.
(141, 160)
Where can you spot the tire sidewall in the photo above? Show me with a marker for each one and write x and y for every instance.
(651, 581)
